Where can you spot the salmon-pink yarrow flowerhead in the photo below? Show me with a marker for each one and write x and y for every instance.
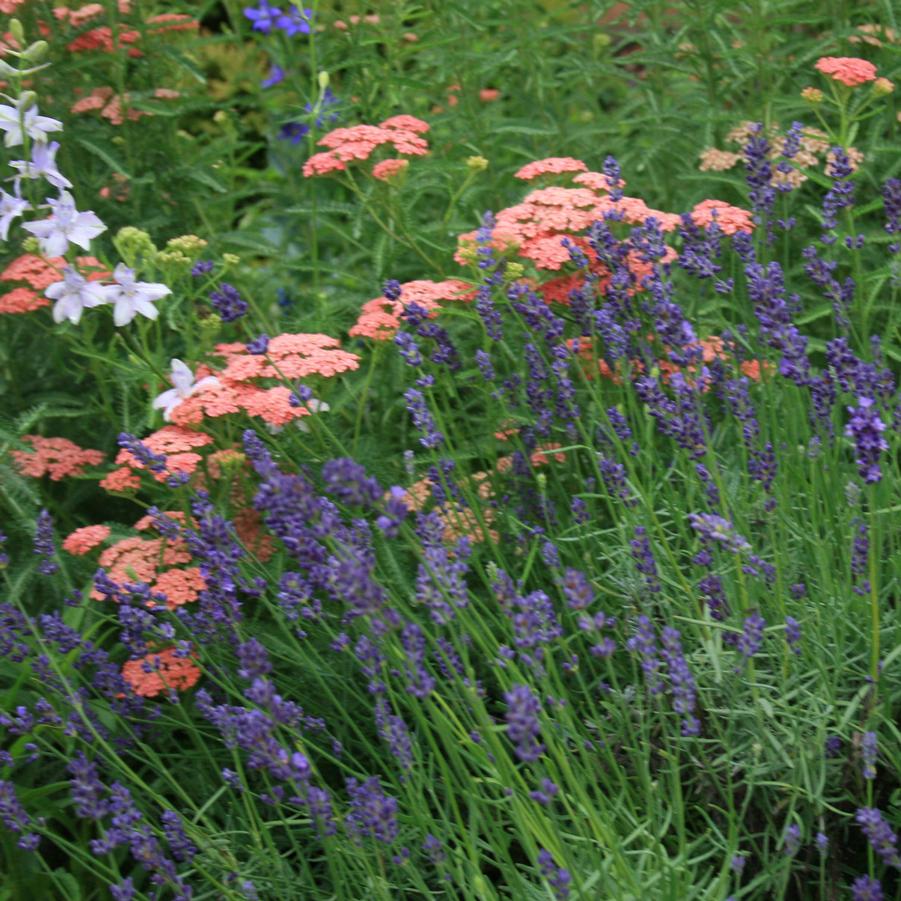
(553, 165)
(130, 297)
(388, 169)
(73, 295)
(64, 226)
(357, 143)
(183, 387)
(58, 458)
(848, 70)
(22, 300)
(83, 540)
(730, 219)
(160, 671)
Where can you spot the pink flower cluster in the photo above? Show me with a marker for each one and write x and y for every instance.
(848, 70)
(288, 357)
(357, 143)
(380, 318)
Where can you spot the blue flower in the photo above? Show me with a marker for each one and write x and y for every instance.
(276, 75)
(264, 17)
(294, 132)
(296, 21)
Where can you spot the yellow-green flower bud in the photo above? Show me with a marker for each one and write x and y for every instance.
(812, 95)
(17, 31)
(231, 259)
(515, 271)
(323, 80)
(882, 87)
(134, 246)
(36, 52)
(476, 163)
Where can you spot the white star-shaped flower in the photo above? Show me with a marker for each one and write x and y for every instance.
(65, 225)
(73, 295)
(184, 387)
(43, 165)
(130, 297)
(11, 205)
(17, 123)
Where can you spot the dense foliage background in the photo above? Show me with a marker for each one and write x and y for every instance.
(456, 455)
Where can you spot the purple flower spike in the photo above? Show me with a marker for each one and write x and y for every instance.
(879, 834)
(866, 889)
(866, 428)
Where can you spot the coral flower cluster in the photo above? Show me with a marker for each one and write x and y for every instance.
(244, 382)
(848, 70)
(161, 672)
(58, 458)
(358, 142)
(380, 318)
(39, 273)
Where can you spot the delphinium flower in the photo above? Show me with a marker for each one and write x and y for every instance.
(869, 750)
(822, 843)
(43, 544)
(264, 16)
(276, 76)
(130, 297)
(42, 165)
(295, 21)
(558, 878)
(866, 889)
(73, 295)
(373, 814)
(21, 119)
(681, 679)
(523, 727)
(228, 303)
(879, 834)
(184, 387)
(866, 428)
(66, 225)
(11, 207)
